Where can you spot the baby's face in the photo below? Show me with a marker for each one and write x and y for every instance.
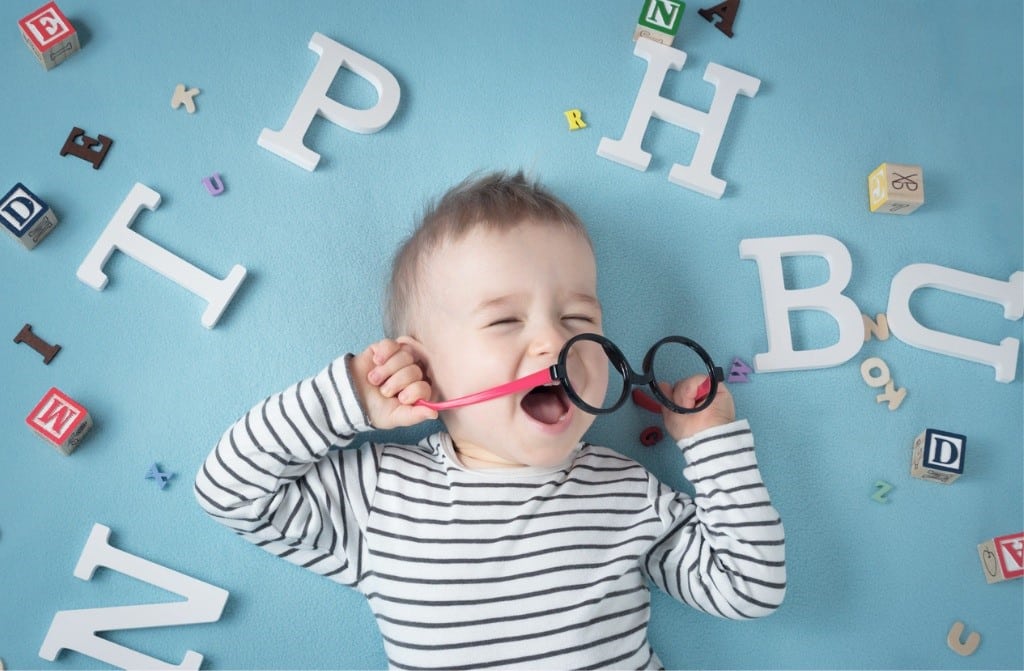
(496, 306)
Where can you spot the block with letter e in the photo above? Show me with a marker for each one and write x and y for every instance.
(60, 420)
(25, 216)
(1002, 557)
(939, 456)
(49, 35)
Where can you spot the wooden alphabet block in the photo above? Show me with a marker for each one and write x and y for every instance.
(60, 420)
(25, 216)
(659, 21)
(49, 35)
(938, 456)
(895, 188)
(1002, 558)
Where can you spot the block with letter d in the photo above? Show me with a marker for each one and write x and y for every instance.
(896, 189)
(60, 420)
(49, 35)
(938, 456)
(25, 216)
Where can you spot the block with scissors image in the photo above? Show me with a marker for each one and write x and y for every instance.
(896, 188)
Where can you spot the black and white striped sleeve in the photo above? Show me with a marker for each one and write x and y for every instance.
(723, 551)
(273, 479)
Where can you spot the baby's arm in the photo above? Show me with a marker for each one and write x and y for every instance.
(723, 551)
(273, 479)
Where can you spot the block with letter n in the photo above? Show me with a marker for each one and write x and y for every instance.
(659, 20)
(938, 456)
(49, 35)
(60, 420)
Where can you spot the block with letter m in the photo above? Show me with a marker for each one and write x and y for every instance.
(60, 420)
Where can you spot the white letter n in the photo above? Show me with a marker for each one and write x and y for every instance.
(76, 629)
(287, 142)
(709, 125)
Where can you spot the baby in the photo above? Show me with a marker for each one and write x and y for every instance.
(505, 540)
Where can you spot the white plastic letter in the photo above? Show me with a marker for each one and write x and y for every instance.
(76, 629)
(119, 235)
(287, 142)
(1009, 294)
(709, 125)
(827, 297)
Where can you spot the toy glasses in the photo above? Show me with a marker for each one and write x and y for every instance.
(670, 359)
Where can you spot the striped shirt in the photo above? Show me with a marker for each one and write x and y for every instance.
(466, 569)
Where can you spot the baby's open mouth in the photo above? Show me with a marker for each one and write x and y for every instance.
(547, 404)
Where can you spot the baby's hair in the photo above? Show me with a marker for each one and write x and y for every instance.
(496, 201)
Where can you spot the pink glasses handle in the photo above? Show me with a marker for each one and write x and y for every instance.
(522, 384)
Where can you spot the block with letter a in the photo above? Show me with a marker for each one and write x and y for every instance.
(1002, 557)
(60, 420)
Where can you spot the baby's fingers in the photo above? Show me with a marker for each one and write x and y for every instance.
(417, 391)
(685, 393)
(394, 384)
(383, 350)
(407, 413)
(389, 358)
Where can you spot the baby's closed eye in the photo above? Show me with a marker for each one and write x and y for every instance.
(503, 321)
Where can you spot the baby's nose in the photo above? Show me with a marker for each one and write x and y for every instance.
(547, 341)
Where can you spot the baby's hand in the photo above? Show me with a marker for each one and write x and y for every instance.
(389, 381)
(721, 411)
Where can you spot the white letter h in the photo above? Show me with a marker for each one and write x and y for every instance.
(709, 125)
